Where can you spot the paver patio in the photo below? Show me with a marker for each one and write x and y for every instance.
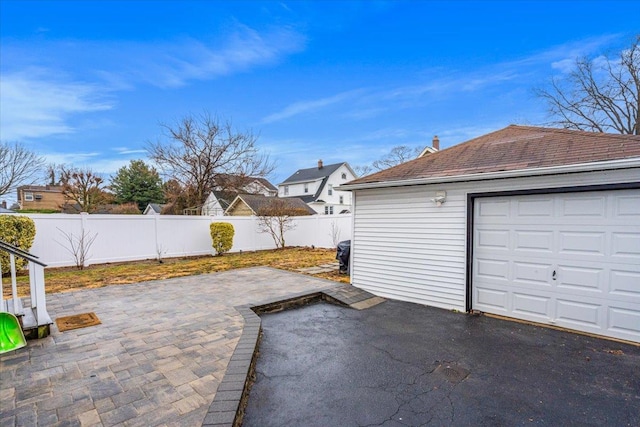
(156, 359)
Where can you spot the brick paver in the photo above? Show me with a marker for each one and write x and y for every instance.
(157, 358)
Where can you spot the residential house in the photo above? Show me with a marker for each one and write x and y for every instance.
(227, 189)
(316, 186)
(251, 204)
(41, 197)
(435, 146)
(531, 223)
(153, 209)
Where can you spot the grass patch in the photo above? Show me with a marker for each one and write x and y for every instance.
(97, 276)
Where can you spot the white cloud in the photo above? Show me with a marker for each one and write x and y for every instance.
(302, 107)
(125, 150)
(175, 63)
(40, 102)
(36, 105)
(97, 162)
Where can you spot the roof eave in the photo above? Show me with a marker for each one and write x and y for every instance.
(303, 181)
(552, 170)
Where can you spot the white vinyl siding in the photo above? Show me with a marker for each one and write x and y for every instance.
(413, 253)
(407, 248)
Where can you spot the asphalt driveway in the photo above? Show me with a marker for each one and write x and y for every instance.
(402, 364)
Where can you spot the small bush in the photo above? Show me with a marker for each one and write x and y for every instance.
(19, 231)
(222, 236)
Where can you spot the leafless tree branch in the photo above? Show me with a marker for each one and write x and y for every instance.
(18, 166)
(197, 149)
(599, 95)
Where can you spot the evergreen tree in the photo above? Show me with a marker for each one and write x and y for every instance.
(137, 183)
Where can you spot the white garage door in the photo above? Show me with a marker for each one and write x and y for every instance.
(571, 260)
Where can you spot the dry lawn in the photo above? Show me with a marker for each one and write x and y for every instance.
(97, 276)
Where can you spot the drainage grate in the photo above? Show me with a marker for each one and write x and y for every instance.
(452, 372)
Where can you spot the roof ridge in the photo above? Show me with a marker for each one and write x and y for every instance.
(571, 131)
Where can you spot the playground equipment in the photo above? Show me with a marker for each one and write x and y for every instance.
(11, 336)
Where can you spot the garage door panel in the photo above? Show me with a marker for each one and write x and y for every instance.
(625, 245)
(495, 299)
(625, 284)
(538, 241)
(493, 239)
(582, 243)
(624, 321)
(578, 313)
(526, 273)
(627, 206)
(535, 208)
(570, 277)
(583, 206)
(493, 209)
(493, 269)
(532, 305)
(590, 240)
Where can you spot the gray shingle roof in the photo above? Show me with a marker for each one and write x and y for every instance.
(312, 174)
(513, 148)
(258, 201)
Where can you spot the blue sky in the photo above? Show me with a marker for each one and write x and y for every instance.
(88, 82)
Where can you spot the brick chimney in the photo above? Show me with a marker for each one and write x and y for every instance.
(436, 142)
(320, 164)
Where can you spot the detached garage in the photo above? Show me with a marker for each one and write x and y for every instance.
(531, 223)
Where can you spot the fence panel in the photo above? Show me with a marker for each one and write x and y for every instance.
(137, 237)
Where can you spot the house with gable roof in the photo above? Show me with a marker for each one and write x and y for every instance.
(228, 187)
(532, 223)
(252, 204)
(316, 187)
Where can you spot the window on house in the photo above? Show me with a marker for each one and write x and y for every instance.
(344, 175)
(341, 200)
(38, 196)
(330, 190)
(286, 190)
(328, 210)
(306, 188)
(28, 197)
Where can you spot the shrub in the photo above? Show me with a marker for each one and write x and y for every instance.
(19, 231)
(222, 236)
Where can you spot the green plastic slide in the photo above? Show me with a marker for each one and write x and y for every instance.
(11, 336)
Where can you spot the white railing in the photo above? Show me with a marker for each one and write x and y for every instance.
(36, 315)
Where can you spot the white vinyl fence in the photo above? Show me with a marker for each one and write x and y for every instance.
(137, 237)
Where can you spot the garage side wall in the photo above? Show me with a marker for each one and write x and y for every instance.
(407, 248)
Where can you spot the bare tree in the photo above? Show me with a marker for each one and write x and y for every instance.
(276, 218)
(83, 187)
(397, 155)
(362, 170)
(18, 166)
(78, 246)
(196, 150)
(599, 95)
